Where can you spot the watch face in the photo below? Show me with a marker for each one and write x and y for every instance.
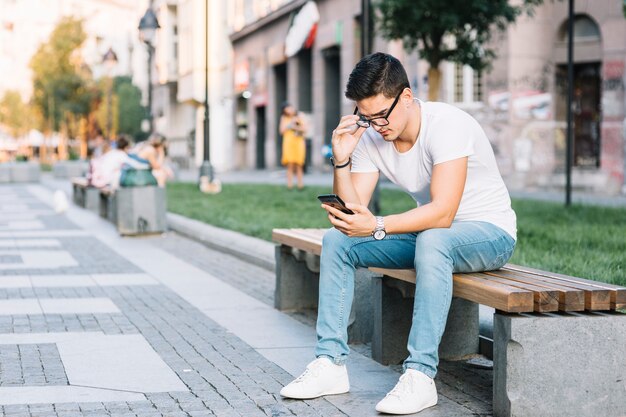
(380, 234)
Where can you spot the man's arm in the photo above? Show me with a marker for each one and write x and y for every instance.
(354, 187)
(446, 189)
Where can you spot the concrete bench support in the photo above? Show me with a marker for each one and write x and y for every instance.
(393, 312)
(5, 173)
(69, 169)
(108, 207)
(20, 172)
(140, 210)
(297, 284)
(560, 365)
(92, 199)
(297, 288)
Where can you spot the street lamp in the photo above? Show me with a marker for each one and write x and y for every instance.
(206, 170)
(147, 33)
(110, 61)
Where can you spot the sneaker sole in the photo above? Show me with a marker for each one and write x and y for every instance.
(336, 391)
(428, 405)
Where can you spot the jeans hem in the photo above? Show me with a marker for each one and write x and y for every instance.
(337, 361)
(423, 369)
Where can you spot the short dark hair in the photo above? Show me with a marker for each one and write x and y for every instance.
(122, 142)
(374, 74)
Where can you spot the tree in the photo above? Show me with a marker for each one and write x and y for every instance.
(452, 30)
(126, 109)
(62, 89)
(14, 113)
(129, 107)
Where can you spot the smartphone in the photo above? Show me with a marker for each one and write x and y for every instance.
(334, 201)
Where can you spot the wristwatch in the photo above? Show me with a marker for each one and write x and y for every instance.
(379, 232)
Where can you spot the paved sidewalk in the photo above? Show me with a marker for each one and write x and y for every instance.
(92, 324)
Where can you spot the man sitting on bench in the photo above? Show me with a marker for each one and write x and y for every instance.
(463, 223)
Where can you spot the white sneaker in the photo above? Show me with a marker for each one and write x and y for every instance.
(321, 377)
(414, 392)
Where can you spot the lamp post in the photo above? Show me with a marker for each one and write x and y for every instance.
(206, 170)
(110, 61)
(147, 33)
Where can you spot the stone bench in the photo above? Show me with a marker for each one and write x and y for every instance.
(559, 343)
(19, 172)
(84, 195)
(69, 169)
(133, 210)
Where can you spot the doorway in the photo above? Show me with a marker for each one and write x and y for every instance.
(260, 137)
(280, 92)
(586, 111)
(332, 91)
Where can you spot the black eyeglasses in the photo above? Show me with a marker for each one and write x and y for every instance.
(376, 121)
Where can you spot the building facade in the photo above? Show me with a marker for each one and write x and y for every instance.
(525, 97)
(520, 101)
(182, 45)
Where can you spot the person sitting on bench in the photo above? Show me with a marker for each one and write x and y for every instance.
(463, 222)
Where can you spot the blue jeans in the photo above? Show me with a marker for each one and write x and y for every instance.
(435, 254)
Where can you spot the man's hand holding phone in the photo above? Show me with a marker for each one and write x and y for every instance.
(345, 138)
(360, 223)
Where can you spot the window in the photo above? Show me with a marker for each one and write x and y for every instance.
(464, 84)
(458, 83)
(585, 29)
(477, 90)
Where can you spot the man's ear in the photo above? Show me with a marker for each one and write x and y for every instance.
(407, 97)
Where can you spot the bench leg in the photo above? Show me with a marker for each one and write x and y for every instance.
(92, 199)
(461, 336)
(140, 210)
(79, 195)
(297, 287)
(111, 208)
(393, 310)
(560, 365)
(103, 206)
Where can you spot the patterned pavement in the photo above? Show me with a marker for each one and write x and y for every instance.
(84, 331)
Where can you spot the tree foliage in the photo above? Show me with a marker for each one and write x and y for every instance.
(14, 113)
(129, 106)
(126, 109)
(453, 30)
(61, 83)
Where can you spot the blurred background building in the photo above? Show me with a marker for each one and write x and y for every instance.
(25, 24)
(263, 52)
(520, 102)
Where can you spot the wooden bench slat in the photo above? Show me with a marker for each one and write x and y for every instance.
(475, 288)
(80, 181)
(596, 298)
(617, 293)
(298, 240)
(546, 299)
(570, 299)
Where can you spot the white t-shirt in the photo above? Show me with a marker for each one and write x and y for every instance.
(446, 133)
(107, 168)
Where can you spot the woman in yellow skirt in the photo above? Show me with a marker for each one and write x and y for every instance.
(292, 128)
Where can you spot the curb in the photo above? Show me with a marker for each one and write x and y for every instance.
(250, 249)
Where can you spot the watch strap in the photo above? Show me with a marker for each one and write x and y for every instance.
(332, 161)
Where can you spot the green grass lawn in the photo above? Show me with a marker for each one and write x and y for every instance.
(584, 241)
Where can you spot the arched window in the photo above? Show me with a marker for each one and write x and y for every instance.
(585, 29)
